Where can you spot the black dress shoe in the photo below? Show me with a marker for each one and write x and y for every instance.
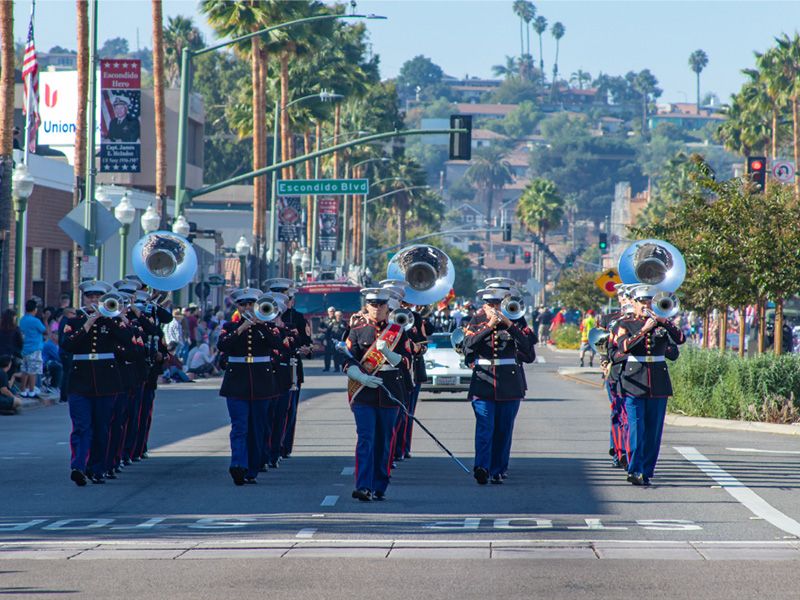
(238, 473)
(110, 474)
(363, 494)
(135, 459)
(481, 475)
(378, 495)
(94, 478)
(636, 479)
(145, 455)
(615, 462)
(78, 477)
(623, 461)
(263, 469)
(646, 480)
(273, 464)
(250, 480)
(407, 455)
(497, 479)
(504, 475)
(118, 469)
(126, 462)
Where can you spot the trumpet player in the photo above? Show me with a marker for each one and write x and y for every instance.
(249, 384)
(644, 341)
(95, 380)
(497, 349)
(378, 351)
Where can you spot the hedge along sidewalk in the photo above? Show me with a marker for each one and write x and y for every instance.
(707, 422)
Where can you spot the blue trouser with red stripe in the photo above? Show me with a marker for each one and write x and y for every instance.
(119, 422)
(412, 410)
(248, 423)
(278, 416)
(374, 429)
(145, 420)
(91, 419)
(134, 422)
(494, 428)
(291, 422)
(646, 423)
(620, 437)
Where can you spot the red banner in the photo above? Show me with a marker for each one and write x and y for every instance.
(328, 211)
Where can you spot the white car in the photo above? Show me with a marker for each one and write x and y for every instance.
(445, 367)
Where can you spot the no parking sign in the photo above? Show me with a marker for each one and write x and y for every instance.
(783, 171)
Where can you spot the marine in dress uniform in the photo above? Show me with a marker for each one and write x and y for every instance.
(296, 322)
(645, 342)
(248, 385)
(94, 382)
(374, 410)
(496, 347)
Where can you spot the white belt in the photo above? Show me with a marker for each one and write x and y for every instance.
(249, 359)
(646, 359)
(496, 362)
(94, 356)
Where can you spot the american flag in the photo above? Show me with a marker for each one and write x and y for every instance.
(30, 73)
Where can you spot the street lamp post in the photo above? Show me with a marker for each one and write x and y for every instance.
(242, 250)
(297, 263)
(22, 188)
(125, 214)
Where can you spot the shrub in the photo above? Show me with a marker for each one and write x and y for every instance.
(708, 383)
(567, 337)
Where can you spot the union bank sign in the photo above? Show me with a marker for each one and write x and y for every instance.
(58, 108)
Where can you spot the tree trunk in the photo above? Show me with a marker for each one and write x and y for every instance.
(742, 316)
(489, 205)
(79, 161)
(778, 329)
(160, 112)
(402, 211)
(259, 132)
(6, 140)
(521, 45)
(309, 175)
(357, 222)
(706, 329)
(762, 325)
(284, 59)
(723, 329)
(796, 145)
(698, 93)
(337, 123)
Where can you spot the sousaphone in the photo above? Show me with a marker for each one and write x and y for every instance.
(164, 260)
(653, 262)
(428, 272)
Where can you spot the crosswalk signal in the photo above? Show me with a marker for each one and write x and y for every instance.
(461, 143)
(526, 257)
(602, 242)
(512, 257)
(507, 232)
(757, 169)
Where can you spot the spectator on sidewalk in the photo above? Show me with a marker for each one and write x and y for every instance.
(53, 368)
(545, 319)
(9, 403)
(11, 340)
(173, 367)
(201, 362)
(33, 334)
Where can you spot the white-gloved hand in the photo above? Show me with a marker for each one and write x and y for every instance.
(393, 358)
(356, 374)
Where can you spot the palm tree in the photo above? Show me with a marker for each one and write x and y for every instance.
(528, 14)
(160, 111)
(580, 78)
(788, 57)
(558, 31)
(646, 85)
(519, 9)
(540, 207)
(179, 33)
(508, 70)
(540, 26)
(490, 172)
(82, 30)
(6, 134)
(698, 60)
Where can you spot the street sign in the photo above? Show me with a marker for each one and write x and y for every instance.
(105, 224)
(88, 267)
(783, 170)
(533, 286)
(202, 290)
(216, 280)
(327, 187)
(608, 281)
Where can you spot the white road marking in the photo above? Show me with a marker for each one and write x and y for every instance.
(747, 497)
(541, 360)
(306, 533)
(758, 451)
(349, 471)
(329, 501)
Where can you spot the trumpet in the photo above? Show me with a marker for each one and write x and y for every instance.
(457, 340)
(665, 305)
(88, 310)
(512, 308)
(402, 317)
(266, 309)
(110, 305)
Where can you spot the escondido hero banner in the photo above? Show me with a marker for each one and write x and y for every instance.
(307, 187)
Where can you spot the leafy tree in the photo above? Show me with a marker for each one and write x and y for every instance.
(508, 70)
(515, 90)
(61, 50)
(419, 71)
(576, 289)
(698, 60)
(490, 172)
(114, 47)
(540, 207)
(522, 121)
(580, 79)
(179, 33)
(646, 85)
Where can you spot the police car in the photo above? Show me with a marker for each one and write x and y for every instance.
(446, 369)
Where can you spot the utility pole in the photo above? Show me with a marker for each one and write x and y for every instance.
(91, 171)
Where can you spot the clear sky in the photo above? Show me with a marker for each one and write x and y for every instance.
(469, 36)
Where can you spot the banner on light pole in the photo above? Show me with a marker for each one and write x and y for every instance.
(328, 223)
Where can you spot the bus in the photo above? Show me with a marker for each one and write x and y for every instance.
(313, 299)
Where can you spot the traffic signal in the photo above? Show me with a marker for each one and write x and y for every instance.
(507, 232)
(757, 169)
(461, 143)
(512, 257)
(526, 257)
(569, 261)
(480, 260)
(602, 242)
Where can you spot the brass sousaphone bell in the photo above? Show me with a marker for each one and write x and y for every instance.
(428, 272)
(164, 260)
(598, 339)
(653, 262)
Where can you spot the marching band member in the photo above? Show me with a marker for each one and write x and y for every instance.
(248, 384)
(645, 341)
(301, 331)
(94, 382)
(497, 347)
(612, 369)
(377, 350)
(285, 373)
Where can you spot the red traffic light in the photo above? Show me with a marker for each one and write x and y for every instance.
(757, 165)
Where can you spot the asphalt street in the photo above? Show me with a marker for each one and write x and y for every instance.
(720, 500)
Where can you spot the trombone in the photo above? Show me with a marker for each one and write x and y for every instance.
(402, 317)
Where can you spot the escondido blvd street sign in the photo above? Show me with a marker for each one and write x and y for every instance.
(327, 187)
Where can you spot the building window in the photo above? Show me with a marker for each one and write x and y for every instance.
(63, 265)
(470, 218)
(36, 264)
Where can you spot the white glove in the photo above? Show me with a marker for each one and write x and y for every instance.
(392, 357)
(356, 374)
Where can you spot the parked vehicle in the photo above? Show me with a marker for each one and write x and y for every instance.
(446, 369)
(313, 299)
